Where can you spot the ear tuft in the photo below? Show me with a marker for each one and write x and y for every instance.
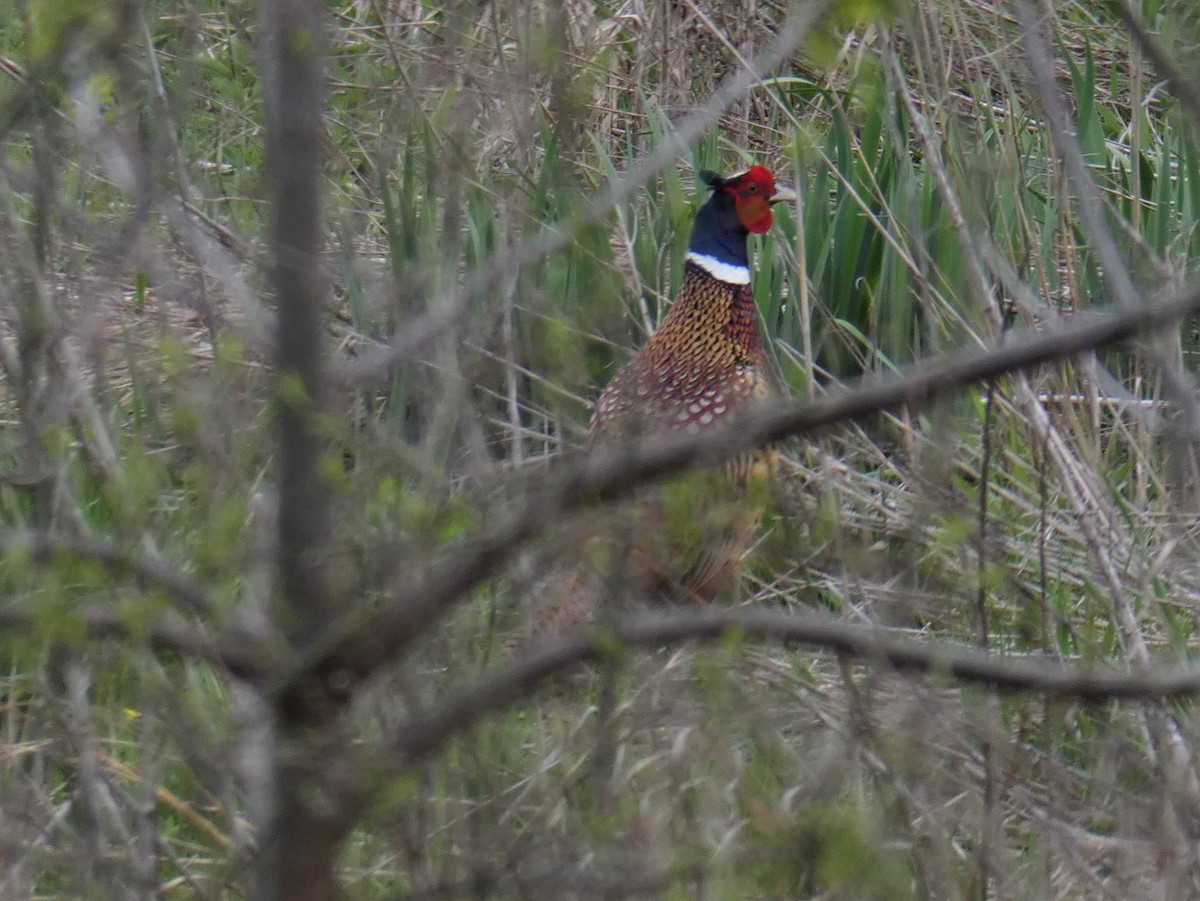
(712, 179)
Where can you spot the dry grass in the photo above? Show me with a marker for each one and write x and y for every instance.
(463, 132)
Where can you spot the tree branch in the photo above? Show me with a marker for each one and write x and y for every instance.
(298, 837)
(355, 653)
(295, 89)
(495, 689)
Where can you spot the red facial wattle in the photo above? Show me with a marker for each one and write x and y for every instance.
(752, 192)
(756, 215)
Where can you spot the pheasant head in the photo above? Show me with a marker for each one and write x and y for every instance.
(740, 204)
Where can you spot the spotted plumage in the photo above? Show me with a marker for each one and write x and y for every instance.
(704, 362)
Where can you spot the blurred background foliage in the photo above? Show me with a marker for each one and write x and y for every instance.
(136, 405)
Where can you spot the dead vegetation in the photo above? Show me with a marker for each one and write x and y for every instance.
(483, 288)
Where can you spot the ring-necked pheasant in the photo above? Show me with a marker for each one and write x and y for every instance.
(703, 362)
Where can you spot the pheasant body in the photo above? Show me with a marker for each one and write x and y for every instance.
(705, 360)
(703, 363)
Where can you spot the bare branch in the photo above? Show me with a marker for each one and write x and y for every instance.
(357, 652)
(493, 690)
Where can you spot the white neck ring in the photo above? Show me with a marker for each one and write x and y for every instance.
(718, 269)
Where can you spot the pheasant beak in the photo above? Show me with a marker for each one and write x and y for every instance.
(783, 194)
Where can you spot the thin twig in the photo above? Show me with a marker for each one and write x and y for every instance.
(1182, 84)
(167, 634)
(1113, 267)
(148, 570)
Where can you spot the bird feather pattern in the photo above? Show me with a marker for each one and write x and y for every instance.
(680, 542)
